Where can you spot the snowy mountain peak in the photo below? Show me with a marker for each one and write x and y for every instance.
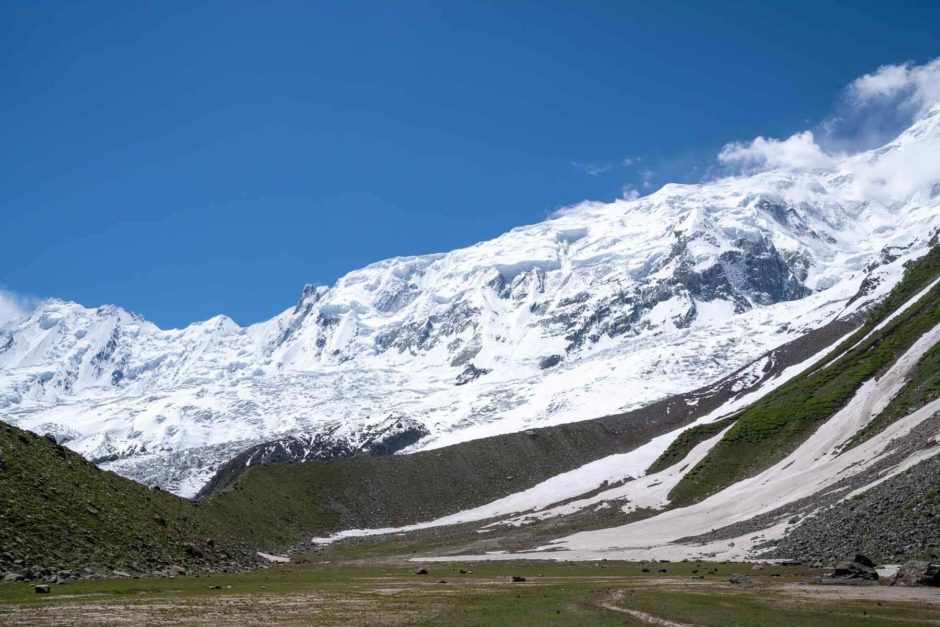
(603, 307)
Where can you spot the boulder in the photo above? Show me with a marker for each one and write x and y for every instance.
(917, 573)
(856, 569)
(740, 580)
(14, 577)
(43, 589)
(421, 571)
(859, 571)
(192, 550)
(516, 579)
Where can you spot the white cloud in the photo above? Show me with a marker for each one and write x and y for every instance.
(593, 169)
(797, 152)
(917, 86)
(896, 174)
(874, 108)
(13, 305)
(630, 192)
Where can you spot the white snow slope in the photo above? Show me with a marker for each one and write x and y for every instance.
(603, 308)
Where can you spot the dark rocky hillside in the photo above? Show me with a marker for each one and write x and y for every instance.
(61, 514)
(897, 519)
(385, 438)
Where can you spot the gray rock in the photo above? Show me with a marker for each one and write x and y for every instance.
(860, 568)
(917, 573)
(43, 589)
(421, 571)
(740, 580)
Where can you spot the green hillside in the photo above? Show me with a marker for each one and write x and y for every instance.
(60, 512)
(775, 426)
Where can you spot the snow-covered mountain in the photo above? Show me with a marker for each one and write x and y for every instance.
(602, 308)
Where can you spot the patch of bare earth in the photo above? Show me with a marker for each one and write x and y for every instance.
(274, 609)
(930, 596)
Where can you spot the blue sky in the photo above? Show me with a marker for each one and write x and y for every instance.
(187, 159)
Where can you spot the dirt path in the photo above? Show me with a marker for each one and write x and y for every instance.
(637, 614)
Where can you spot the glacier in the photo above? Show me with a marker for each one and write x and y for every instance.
(602, 308)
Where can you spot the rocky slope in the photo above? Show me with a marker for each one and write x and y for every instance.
(601, 309)
(331, 442)
(894, 520)
(63, 517)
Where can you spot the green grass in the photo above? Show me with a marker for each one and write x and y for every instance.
(775, 426)
(390, 593)
(686, 441)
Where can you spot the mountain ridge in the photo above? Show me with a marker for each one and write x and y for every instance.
(602, 308)
(585, 490)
